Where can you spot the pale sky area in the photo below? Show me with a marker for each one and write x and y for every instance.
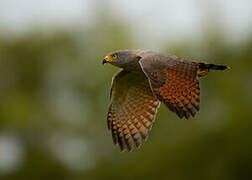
(153, 19)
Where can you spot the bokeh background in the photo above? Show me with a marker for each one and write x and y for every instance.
(54, 91)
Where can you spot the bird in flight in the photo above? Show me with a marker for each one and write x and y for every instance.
(146, 79)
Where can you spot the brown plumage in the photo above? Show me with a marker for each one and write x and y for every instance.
(146, 79)
(132, 109)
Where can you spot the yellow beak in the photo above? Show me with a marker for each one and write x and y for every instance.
(107, 59)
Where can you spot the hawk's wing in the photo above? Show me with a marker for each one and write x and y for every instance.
(132, 109)
(174, 82)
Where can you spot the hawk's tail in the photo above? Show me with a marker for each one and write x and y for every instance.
(204, 68)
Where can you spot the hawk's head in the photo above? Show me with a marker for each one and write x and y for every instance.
(126, 59)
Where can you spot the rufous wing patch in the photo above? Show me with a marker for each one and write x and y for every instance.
(132, 110)
(177, 87)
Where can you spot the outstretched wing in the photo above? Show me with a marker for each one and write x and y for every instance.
(132, 109)
(174, 82)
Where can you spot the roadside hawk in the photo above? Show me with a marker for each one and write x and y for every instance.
(146, 79)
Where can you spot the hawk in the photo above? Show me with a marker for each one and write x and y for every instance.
(146, 79)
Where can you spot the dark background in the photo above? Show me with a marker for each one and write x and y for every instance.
(54, 95)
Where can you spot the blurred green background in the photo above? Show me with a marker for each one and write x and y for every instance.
(54, 91)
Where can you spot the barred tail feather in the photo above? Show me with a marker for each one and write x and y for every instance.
(209, 66)
(204, 68)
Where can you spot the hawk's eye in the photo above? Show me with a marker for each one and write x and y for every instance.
(114, 56)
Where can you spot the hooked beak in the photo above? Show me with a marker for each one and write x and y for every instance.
(107, 59)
